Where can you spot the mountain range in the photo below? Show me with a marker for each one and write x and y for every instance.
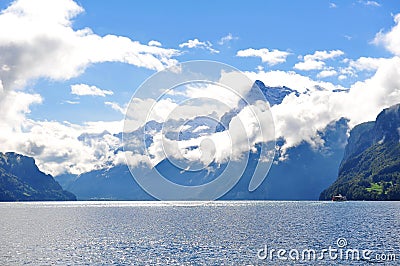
(304, 173)
(363, 166)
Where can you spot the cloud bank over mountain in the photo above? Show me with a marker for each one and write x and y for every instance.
(43, 43)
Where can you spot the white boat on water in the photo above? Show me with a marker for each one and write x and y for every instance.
(339, 198)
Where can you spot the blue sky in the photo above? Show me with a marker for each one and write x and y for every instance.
(106, 49)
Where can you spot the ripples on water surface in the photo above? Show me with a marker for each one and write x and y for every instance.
(190, 233)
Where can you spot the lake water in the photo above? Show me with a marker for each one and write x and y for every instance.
(187, 233)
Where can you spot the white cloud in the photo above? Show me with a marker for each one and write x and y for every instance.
(243, 133)
(139, 111)
(226, 97)
(154, 43)
(217, 99)
(348, 71)
(54, 145)
(57, 148)
(299, 118)
(14, 106)
(370, 3)
(355, 67)
(200, 128)
(201, 100)
(390, 40)
(130, 158)
(310, 65)
(116, 107)
(227, 39)
(326, 73)
(367, 63)
(72, 148)
(316, 61)
(161, 109)
(66, 147)
(332, 5)
(272, 57)
(72, 102)
(37, 40)
(195, 43)
(292, 80)
(84, 89)
(323, 55)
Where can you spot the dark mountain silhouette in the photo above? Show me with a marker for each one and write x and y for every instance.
(21, 180)
(370, 169)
